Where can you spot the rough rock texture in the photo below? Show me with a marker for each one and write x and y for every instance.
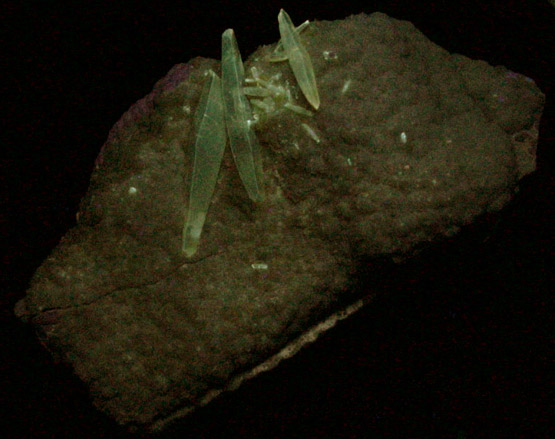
(414, 143)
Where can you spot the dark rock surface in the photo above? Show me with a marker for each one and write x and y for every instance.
(152, 334)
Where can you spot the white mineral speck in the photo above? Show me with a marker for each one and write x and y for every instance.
(259, 266)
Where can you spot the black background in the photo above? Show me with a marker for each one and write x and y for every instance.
(461, 348)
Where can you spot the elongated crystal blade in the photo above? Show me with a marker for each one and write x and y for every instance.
(299, 59)
(208, 153)
(238, 115)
